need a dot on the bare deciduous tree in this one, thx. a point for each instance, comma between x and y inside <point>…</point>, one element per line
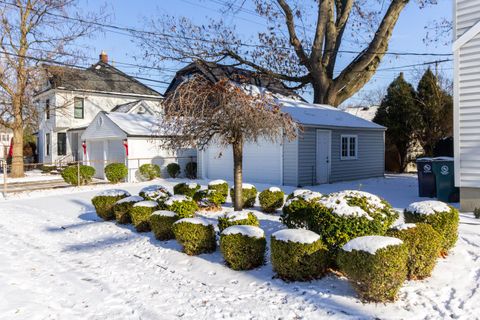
<point>200,112</point>
<point>31,32</point>
<point>301,45</point>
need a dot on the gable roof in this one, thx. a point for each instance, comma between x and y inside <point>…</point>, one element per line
<point>130,106</point>
<point>467,36</point>
<point>100,77</point>
<point>135,124</point>
<point>215,72</point>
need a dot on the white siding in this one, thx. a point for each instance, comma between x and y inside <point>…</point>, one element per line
<point>103,128</point>
<point>466,16</point>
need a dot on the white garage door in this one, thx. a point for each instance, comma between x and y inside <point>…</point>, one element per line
<point>95,156</point>
<point>261,163</point>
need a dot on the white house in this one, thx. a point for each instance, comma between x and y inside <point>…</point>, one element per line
<point>6,136</point>
<point>467,102</point>
<point>71,99</point>
<point>333,146</point>
<point>133,139</point>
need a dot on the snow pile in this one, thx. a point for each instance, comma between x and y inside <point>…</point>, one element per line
<point>113,193</point>
<point>155,191</point>
<point>237,215</point>
<point>304,194</point>
<point>274,189</point>
<point>247,186</point>
<point>428,207</point>
<point>373,201</point>
<point>164,213</point>
<point>192,185</point>
<point>130,199</point>
<point>339,206</point>
<point>404,226</point>
<point>216,182</point>
<point>196,220</point>
<point>249,231</point>
<point>147,204</point>
<point>296,235</point>
<point>371,244</point>
<point>176,198</point>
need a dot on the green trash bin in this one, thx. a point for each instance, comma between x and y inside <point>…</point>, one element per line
<point>443,167</point>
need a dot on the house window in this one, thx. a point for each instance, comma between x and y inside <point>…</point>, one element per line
<point>78,111</point>
<point>47,144</point>
<point>61,143</point>
<point>47,109</point>
<point>349,147</point>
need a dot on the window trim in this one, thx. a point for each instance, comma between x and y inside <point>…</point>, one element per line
<point>48,144</point>
<point>348,137</point>
<point>75,99</point>
<point>64,153</point>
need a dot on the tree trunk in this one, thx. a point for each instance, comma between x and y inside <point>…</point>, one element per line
<point>237,175</point>
<point>323,93</point>
<point>17,156</point>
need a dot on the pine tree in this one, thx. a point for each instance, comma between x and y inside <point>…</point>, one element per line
<point>436,112</point>
<point>399,113</point>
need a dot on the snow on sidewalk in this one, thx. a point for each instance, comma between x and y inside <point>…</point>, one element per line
<point>59,261</point>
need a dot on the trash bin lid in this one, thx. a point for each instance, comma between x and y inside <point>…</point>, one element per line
<point>424,159</point>
<point>443,159</point>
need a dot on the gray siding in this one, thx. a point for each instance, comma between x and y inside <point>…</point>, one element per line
<point>290,162</point>
<point>307,156</point>
<point>371,156</point>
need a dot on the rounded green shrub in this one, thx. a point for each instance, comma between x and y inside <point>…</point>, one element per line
<point>105,201</point>
<point>249,195</point>
<point>442,217</point>
<point>150,171</point>
<point>209,199</point>
<point>48,168</point>
<point>155,192</point>
<point>183,206</point>
<point>424,245</point>
<point>295,212</point>
<point>140,215</point>
<point>243,247</point>
<point>298,255</point>
<point>220,186</point>
<point>116,172</point>
<point>191,170</point>
<point>70,175</point>
<point>173,170</point>
<point>196,235</point>
<point>376,266</point>
<point>161,223</point>
<point>187,189</point>
<point>271,199</point>
<point>235,218</point>
<point>122,207</point>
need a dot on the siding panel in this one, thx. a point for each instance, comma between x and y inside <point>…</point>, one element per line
<point>290,162</point>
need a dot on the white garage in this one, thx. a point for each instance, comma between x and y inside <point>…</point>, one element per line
<point>261,162</point>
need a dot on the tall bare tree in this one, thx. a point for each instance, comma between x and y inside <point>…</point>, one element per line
<point>32,32</point>
<point>200,112</point>
<point>301,45</point>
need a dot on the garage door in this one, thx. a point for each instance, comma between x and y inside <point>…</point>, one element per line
<point>261,163</point>
<point>95,155</point>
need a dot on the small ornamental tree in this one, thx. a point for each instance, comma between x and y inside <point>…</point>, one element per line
<point>199,112</point>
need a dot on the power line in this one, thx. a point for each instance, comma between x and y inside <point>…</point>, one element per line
<point>136,32</point>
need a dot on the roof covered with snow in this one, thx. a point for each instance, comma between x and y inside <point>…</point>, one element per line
<point>135,124</point>
<point>367,113</point>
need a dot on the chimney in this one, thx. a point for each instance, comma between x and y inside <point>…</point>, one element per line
<point>103,57</point>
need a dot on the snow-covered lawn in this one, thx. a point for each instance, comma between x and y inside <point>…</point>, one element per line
<point>59,261</point>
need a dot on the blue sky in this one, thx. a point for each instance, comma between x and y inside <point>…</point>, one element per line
<point>407,37</point>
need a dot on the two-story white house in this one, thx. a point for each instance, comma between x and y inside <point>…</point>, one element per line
<point>72,98</point>
<point>6,136</point>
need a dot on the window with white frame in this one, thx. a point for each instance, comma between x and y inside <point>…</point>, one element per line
<point>349,147</point>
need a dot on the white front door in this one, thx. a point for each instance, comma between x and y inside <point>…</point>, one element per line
<point>323,155</point>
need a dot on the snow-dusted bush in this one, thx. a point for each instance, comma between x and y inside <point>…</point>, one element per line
<point>140,215</point>
<point>243,247</point>
<point>155,192</point>
<point>423,244</point>
<point>209,199</point>
<point>173,169</point>
<point>70,174</point>
<point>116,172</point>
<point>183,206</point>
<point>122,207</point>
<point>220,186</point>
<point>105,201</point>
<point>249,195</point>
<point>271,199</point>
<point>150,171</point>
<point>295,211</point>
<point>196,235</point>
<point>187,189</point>
<point>298,255</point>
<point>442,217</point>
<point>376,266</point>
<point>235,218</point>
<point>161,223</point>
<point>342,216</point>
